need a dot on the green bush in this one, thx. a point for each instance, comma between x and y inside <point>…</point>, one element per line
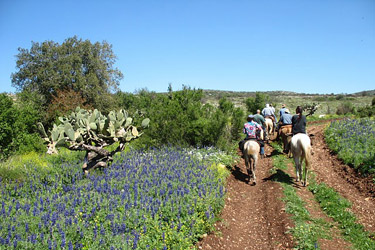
<point>18,132</point>
<point>257,102</point>
<point>345,108</point>
<point>368,110</point>
<point>180,118</point>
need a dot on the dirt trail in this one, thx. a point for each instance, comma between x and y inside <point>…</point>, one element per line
<point>254,217</point>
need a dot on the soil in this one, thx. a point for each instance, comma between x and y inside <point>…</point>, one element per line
<point>254,216</point>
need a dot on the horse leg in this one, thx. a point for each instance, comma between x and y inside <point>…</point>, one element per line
<point>247,164</point>
<point>305,172</point>
<point>296,162</point>
<point>300,169</point>
<point>255,158</point>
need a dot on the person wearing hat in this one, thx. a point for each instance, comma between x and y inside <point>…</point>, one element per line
<point>285,119</point>
<point>269,112</point>
<point>251,129</point>
<point>282,110</point>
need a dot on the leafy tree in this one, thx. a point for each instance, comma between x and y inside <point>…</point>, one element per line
<point>18,132</point>
<point>257,102</point>
<point>235,118</point>
<point>7,119</point>
<point>64,103</point>
<point>77,65</point>
<point>225,105</point>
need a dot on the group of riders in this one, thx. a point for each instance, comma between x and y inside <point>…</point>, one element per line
<point>256,124</point>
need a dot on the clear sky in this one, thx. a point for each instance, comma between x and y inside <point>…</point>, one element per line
<point>315,46</point>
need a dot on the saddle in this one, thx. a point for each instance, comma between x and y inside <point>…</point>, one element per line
<point>241,144</point>
<point>286,126</point>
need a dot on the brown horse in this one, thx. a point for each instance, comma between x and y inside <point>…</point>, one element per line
<point>285,132</point>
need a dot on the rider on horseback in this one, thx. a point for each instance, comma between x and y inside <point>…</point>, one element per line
<point>252,131</point>
<point>268,112</point>
<point>285,119</point>
<point>258,118</point>
<point>298,122</point>
<point>282,110</point>
<point>299,125</point>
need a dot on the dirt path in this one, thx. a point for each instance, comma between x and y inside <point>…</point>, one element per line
<point>254,217</point>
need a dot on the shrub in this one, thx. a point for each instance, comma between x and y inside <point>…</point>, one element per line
<point>180,118</point>
<point>345,109</point>
<point>368,110</point>
<point>18,132</point>
<point>257,102</point>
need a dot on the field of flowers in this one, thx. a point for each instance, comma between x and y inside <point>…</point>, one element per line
<point>354,142</point>
<point>162,199</point>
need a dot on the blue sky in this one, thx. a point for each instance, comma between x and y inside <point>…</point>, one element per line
<point>312,46</point>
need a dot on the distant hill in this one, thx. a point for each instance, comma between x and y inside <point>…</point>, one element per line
<point>224,93</point>
<point>328,103</point>
<point>365,93</point>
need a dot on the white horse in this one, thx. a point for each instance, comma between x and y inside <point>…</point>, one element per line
<point>301,149</point>
<point>269,127</point>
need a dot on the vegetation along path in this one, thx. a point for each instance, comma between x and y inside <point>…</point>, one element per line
<point>255,217</point>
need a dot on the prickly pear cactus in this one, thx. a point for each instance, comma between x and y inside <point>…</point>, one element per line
<point>310,109</point>
<point>92,131</point>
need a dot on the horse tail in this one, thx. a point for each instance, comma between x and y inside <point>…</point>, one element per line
<point>307,153</point>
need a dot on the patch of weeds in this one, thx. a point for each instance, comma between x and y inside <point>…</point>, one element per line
<point>337,207</point>
<point>278,163</point>
<point>277,146</point>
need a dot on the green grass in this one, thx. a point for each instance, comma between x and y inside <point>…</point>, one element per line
<point>19,166</point>
<point>336,207</point>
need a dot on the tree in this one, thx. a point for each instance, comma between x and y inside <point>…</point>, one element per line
<point>258,102</point>
<point>64,103</point>
<point>7,118</point>
<point>75,65</point>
